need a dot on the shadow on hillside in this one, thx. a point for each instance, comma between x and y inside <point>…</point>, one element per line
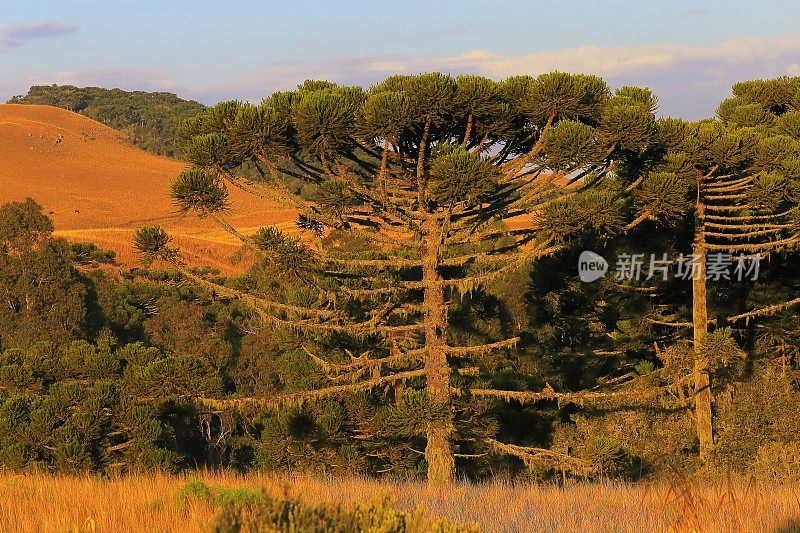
<point>792,526</point>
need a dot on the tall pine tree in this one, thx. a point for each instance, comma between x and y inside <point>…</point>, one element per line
<point>729,188</point>
<point>444,180</point>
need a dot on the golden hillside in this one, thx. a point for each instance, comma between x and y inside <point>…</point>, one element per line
<point>98,188</point>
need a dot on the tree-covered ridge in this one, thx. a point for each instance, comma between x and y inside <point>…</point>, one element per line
<point>149,119</point>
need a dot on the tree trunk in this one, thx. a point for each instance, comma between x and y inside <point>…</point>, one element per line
<point>422,178</point>
<point>438,452</point>
<point>382,173</point>
<point>468,131</point>
<point>702,381</point>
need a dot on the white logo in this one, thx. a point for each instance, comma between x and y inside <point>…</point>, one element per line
<point>591,266</point>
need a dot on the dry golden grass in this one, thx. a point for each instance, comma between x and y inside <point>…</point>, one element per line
<point>97,187</point>
<point>150,503</point>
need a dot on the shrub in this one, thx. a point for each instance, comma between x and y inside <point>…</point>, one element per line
<point>87,253</point>
<point>776,461</point>
<point>216,496</point>
<point>274,514</point>
<point>757,417</point>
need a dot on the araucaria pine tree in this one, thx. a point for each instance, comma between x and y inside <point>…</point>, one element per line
<point>441,179</point>
<point>729,185</point>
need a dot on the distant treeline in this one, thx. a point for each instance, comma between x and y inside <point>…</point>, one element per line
<point>149,119</point>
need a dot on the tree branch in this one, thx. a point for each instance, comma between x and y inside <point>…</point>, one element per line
<point>628,397</point>
<point>462,351</point>
<point>300,398</point>
<point>541,456</point>
<point>764,311</point>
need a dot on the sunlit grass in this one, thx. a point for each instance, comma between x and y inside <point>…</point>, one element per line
<point>154,503</point>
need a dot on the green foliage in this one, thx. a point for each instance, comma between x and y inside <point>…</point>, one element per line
<point>775,95</point>
<point>385,115</point>
<point>602,211</point>
<point>478,95</point>
<point>665,196</point>
<point>260,130</point>
<point>152,243</point>
<point>789,124</point>
<point>285,251</point>
<point>559,95</point>
<point>599,212</point>
<point>87,253</point>
<point>557,220</point>
<point>194,490</point>
<point>606,454</point>
<point>44,296</point>
<point>430,95</point>
<point>458,176</point>
<point>335,197</point>
<point>325,118</point>
<point>83,407</point>
<point>210,150</point>
<point>410,415</point>
<point>22,225</point>
<point>274,514</point>
<point>757,418</point>
<point>628,124</point>
<point>638,96</point>
<point>631,444</point>
<point>199,191</point>
<point>708,144</point>
<point>572,145</point>
<point>742,114</point>
<point>777,462</point>
<point>217,496</point>
<point>770,192</point>
<point>671,132</point>
<point>772,153</point>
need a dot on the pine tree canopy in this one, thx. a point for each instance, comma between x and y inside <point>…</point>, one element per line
<point>427,169</point>
<point>444,187</point>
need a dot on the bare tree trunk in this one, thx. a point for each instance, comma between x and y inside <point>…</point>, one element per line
<point>439,452</point>
<point>702,381</point>
<point>382,173</point>
<point>468,131</point>
<point>422,178</point>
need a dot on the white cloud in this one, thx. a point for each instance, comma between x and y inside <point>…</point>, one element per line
<point>690,80</point>
<point>620,60</point>
<point>21,34</point>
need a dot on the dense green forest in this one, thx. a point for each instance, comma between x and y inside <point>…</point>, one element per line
<point>412,327</point>
<point>149,119</point>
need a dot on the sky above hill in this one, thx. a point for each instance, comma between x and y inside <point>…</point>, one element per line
<point>688,52</point>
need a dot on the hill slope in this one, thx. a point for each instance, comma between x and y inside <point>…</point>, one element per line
<point>96,187</point>
<point>149,120</point>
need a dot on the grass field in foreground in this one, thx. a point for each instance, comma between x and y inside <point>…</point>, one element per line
<point>153,503</point>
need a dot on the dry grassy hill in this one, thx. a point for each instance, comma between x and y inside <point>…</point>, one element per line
<point>98,188</point>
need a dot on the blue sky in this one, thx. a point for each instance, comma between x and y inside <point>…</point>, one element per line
<point>688,52</point>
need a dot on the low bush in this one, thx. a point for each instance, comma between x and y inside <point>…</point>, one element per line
<point>290,515</point>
